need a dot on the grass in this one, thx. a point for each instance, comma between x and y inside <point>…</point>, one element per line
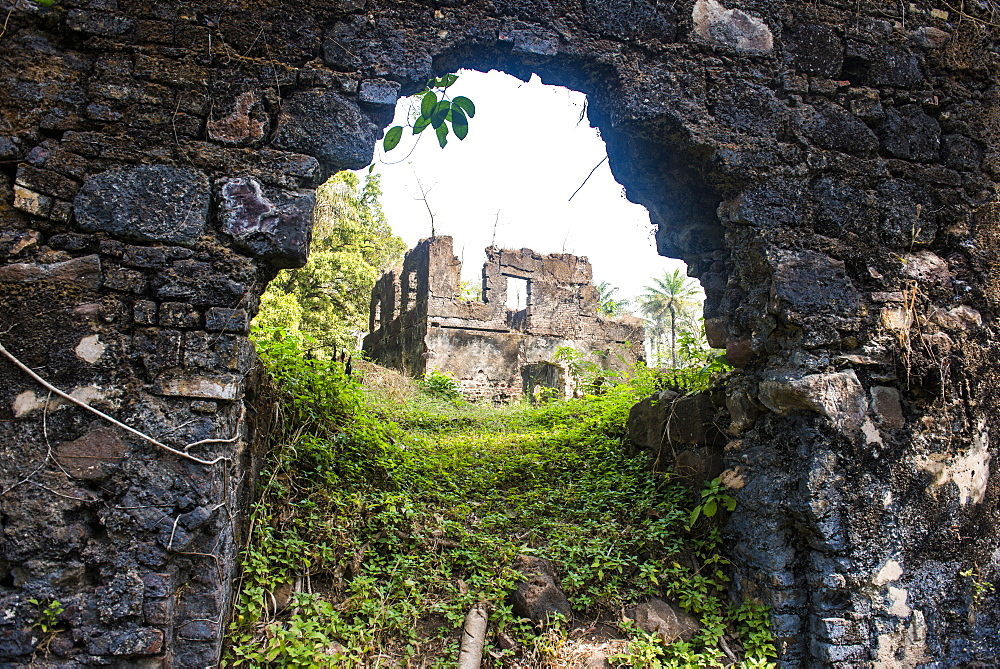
<point>389,510</point>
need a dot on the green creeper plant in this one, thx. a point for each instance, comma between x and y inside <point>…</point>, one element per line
<point>436,111</point>
<point>713,497</point>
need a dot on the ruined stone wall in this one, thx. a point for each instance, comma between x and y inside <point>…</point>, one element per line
<point>827,169</point>
<point>485,345</point>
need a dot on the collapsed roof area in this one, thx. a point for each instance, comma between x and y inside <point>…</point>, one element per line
<point>419,321</point>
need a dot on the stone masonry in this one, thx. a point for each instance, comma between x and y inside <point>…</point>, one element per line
<point>419,323</point>
<point>827,169</point>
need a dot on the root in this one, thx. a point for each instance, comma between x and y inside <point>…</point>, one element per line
<point>473,638</point>
<point>69,398</point>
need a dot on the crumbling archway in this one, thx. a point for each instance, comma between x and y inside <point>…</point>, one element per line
<point>827,173</point>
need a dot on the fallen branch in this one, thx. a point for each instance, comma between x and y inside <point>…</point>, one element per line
<point>473,638</point>
<point>69,398</point>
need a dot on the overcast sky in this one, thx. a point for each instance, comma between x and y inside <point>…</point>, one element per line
<point>526,152</point>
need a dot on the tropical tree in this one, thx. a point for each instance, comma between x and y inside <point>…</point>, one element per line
<point>352,246</point>
<point>607,305</point>
<point>670,301</point>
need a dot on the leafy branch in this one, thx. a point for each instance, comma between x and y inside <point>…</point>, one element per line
<point>437,111</point>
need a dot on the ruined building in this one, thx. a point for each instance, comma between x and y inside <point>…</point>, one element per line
<point>828,170</point>
<point>419,323</point>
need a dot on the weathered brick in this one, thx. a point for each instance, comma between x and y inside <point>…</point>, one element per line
<point>218,319</point>
<point>179,315</point>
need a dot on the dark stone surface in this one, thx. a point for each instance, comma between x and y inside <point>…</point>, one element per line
<point>848,270</point>
<point>325,124</point>
<point>275,227</point>
<point>814,49</point>
<point>665,620</point>
<point>146,204</point>
<point>910,134</point>
<point>538,597</point>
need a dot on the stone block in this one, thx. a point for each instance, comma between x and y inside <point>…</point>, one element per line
<point>886,406</point>
<point>199,630</point>
<point>830,126</point>
<point>731,28</point>
<point>158,611</point>
<point>243,126</point>
<point>827,653</point>
<point>147,204</point>
<point>808,285</point>
<point>324,124</point>
<point>145,257</point>
<point>842,631</point>
<point>31,202</point>
<point>92,456</point>
<point>158,585</point>
<point>104,24</point>
<point>45,181</point>
<point>121,598</point>
<point>895,66</point>
<point>16,642</point>
<point>379,92</point>
<point>910,134</point>
<point>197,283</point>
<point>667,621</point>
<point>275,227</point>
<point>836,395</point>
<point>691,421</point>
<point>125,280</point>
<point>158,349</point>
<point>179,315</point>
<point>136,641</point>
<point>814,49</point>
<point>144,312</point>
<point>83,272</point>
<point>218,319</point>
<point>961,153</point>
<point>538,597</point>
<point>224,387</point>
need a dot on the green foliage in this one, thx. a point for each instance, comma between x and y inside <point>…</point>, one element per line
<point>713,498</point>
<point>607,304</point>
<point>981,588</point>
<point>352,246</point>
<point>392,518</point>
<point>436,111</point>
<point>441,385</point>
<point>471,291</point>
<point>47,620</point>
<point>671,305</point>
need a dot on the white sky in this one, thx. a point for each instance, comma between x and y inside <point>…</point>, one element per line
<point>525,155</point>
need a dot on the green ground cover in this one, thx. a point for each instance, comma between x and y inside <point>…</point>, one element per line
<point>390,508</point>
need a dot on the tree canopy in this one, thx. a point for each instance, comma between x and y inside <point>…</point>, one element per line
<point>352,246</point>
<point>671,305</point>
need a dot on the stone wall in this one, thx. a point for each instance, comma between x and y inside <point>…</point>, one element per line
<point>827,169</point>
<point>419,322</point>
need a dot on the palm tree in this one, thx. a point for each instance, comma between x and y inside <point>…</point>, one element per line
<point>607,305</point>
<point>673,295</point>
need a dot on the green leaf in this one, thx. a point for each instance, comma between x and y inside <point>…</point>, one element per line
<point>420,124</point>
<point>729,501</point>
<point>711,506</point>
<point>428,104</point>
<point>442,134</point>
<point>465,104</point>
<point>392,138</point>
<point>440,114</point>
<point>447,80</point>
<point>459,123</point>
<point>694,515</point>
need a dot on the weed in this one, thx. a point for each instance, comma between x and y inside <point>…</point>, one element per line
<point>391,518</point>
<point>47,620</point>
